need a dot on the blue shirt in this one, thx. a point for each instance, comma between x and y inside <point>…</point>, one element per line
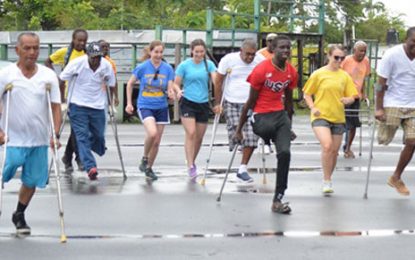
<point>153,89</point>
<point>195,79</point>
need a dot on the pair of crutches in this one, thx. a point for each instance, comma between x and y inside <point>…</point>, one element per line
<point>8,90</point>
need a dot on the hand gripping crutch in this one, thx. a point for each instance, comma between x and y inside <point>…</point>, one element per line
<point>215,127</point>
<point>65,115</point>
<point>369,164</point>
<point>114,127</point>
<point>8,90</point>
<point>227,172</point>
<point>55,155</point>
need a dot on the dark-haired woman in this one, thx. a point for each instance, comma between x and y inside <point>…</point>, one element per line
<point>194,73</point>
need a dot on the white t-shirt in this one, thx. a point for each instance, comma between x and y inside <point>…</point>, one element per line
<point>399,71</point>
<point>237,88</point>
<point>88,90</point>
<point>29,123</point>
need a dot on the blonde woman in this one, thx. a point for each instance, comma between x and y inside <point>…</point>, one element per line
<point>326,92</point>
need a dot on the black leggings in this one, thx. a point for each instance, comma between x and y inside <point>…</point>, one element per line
<point>276,126</point>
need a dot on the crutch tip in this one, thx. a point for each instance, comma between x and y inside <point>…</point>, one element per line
<point>203,182</point>
<point>218,199</point>
<point>63,238</point>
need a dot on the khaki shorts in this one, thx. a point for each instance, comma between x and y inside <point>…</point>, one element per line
<point>396,117</point>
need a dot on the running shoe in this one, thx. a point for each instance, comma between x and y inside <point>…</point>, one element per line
<point>244,177</point>
<point>19,221</point>
<point>143,164</point>
<point>193,172</point>
<point>92,174</point>
<point>150,174</point>
<point>327,187</point>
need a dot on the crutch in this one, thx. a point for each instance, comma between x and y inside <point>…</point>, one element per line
<point>264,175</point>
<point>65,115</point>
<point>114,127</point>
<point>8,90</point>
<point>215,127</point>
<point>55,155</point>
<point>361,128</point>
<point>227,172</point>
<point>369,164</point>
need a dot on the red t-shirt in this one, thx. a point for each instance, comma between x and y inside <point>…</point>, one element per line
<point>271,83</point>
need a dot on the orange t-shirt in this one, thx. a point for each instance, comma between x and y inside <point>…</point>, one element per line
<point>357,70</point>
<point>264,52</point>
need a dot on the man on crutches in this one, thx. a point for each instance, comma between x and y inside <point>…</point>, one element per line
<point>237,66</point>
<point>395,103</point>
<point>27,118</point>
<point>269,81</point>
<point>87,103</point>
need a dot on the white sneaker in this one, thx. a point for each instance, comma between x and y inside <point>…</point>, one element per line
<point>327,187</point>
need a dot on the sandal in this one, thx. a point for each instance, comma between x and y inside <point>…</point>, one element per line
<point>349,155</point>
<point>279,207</point>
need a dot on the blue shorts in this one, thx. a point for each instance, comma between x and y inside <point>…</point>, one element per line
<point>160,115</point>
<point>34,162</point>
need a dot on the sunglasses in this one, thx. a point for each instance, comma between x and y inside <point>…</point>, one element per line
<point>156,75</point>
<point>339,58</point>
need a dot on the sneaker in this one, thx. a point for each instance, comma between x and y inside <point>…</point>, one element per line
<point>92,174</point>
<point>244,177</point>
<point>68,164</point>
<point>21,227</point>
<point>399,185</point>
<point>193,172</point>
<point>143,164</point>
<point>150,174</point>
<point>80,165</point>
<point>327,187</point>
<point>279,207</point>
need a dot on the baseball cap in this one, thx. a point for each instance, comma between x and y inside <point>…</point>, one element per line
<point>94,49</point>
<point>271,36</point>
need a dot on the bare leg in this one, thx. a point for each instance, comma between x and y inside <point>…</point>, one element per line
<point>405,158</point>
<point>352,133</point>
<point>151,134</point>
<point>246,154</point>
<point>155,148</point>
<point>26,194</point>
<point>189,125</point>
<point>200,133</point>
<point>328,152</point>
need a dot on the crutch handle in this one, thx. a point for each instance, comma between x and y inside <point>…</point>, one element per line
<point>8,87</point>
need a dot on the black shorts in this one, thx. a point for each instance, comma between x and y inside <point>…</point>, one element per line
<point>352,116</point>
<point>198,111</point>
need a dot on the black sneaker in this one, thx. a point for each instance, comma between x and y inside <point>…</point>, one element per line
<point>143,164</point>
<point>21,227</point>
<point>150,174</point>
<point>68,164</point>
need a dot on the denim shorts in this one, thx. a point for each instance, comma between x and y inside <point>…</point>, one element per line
<point>336,129</point>
<point>34,163</point>
<point>160,115</point>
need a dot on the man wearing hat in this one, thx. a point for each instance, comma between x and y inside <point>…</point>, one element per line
<point>87,99</point>
<point>267,52</point>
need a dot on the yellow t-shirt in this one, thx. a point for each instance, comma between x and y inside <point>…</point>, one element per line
<point>58,57</point>
<point>328,87</point>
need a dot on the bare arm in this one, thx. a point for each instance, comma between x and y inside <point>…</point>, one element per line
<point>288,93</point>
<point>310,103</point>
<point>130,84</point>
<point>218,92</point>
<point>380,89</point>
<point>176,86</point>
<point>49,63</point>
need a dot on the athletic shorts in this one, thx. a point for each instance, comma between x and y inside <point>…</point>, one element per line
<point>198,111</point>
<point>161,116</point>
<point>352,115</point>
<point>34,163</point>
<point>335,129</point>
<point>396,117</point>
<point>233,112</point>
